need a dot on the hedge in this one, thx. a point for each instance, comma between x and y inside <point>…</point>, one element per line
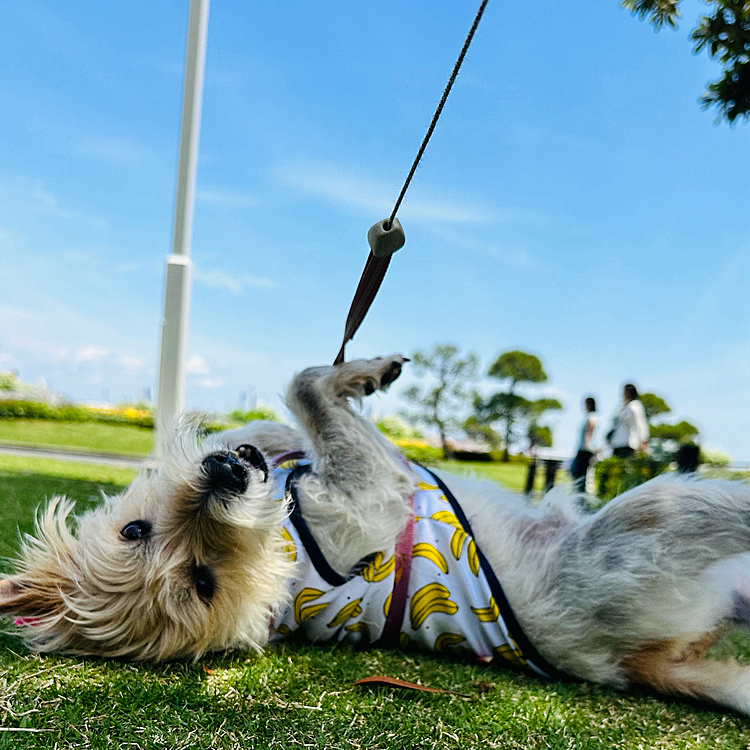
<point>18,409</point>
<point>616,475</point>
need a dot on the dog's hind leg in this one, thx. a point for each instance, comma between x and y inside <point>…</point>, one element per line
<point>677,667</point>
<point>355,499</point>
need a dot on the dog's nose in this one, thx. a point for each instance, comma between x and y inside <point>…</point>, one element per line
<point>225,472</point>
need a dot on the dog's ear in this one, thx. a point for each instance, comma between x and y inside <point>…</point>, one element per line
<point>17,598</point>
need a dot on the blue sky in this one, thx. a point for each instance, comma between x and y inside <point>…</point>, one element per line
<point>575,200</point>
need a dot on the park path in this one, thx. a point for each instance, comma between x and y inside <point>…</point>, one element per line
<point>106,459</point>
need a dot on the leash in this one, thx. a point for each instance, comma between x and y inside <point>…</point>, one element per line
<point>387,236</point>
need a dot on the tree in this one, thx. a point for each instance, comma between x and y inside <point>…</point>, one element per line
<point>509,408</point>
<point>682,432</point>
<point>484,433</point>
<point>654,405</point>
<point>725,34</point>
<point>438,404</point>
<point>539,434</point>
<point>519,367</point>
<point>665,436</point>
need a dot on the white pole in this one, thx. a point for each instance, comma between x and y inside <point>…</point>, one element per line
<point>171,393</point>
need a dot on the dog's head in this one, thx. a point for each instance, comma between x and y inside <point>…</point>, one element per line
<point>189,558</point>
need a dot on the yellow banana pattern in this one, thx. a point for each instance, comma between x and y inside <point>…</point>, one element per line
<point>303,613</point>
<point>378,570</point>
<point>346,613</point>
<point>433,597</point>
<point>472,557</point>
<point>451,606</point>
<point>487,614</point>
<point>457,542</point>
<point>447,641</point>
<point>459,535</point>
<point>445,516</point>
<point>290,548</point>
<point>360,627</point>
<point>510,654</point>
<point>432,553</point>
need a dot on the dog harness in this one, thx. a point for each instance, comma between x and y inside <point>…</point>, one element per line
<point>452,601</point>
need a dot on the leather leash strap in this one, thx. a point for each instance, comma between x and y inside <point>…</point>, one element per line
<point>367,288</point>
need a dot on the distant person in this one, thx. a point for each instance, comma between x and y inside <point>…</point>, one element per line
<point>585,451</point>
<point>630,433</point>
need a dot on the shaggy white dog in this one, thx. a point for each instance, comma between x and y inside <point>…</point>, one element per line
<point>203,554</point>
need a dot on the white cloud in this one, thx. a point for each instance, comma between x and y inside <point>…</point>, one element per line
<point>22,194</point>
<point>7,360</point>
<point>10,315</point>
<point>197,366</point>
<point>234,283</point>
<point>376,198</point>
<point>91,353</point>
<point>122,149</point>
<point>211,383</point>
<point>226,199</point>
<point>33,195</point>
<point>131,363</point>
<point>552,391</point>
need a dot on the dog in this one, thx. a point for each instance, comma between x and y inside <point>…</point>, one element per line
<point>236,541</point>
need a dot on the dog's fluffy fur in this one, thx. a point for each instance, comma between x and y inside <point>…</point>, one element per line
<point>633,595</point>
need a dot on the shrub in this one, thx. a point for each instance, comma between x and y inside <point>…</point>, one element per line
<point>137,415</point>
<point>8,381</point>
<point>395,428</point>
<point>715,459</point>
<point>19,409</point>
<point>419,451</point>
<point>260,412</point>
<point>132,415</point>
<point>616,475</point>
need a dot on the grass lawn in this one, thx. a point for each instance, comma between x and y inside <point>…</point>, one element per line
<point>82,436</point>
<point>298,696</point>
<point>510,475</point>
<point>137,441</point>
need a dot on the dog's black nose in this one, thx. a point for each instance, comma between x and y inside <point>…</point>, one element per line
<point>225,472</point>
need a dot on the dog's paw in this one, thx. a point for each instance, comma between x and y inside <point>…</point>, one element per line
<point>365,376</point>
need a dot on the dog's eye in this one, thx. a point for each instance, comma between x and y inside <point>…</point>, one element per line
<point>135,530</point>
<point>205,586</point>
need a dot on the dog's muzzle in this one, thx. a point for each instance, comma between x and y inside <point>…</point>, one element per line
<point>228,472</point>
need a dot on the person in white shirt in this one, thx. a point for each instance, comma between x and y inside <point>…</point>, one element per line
<point>631,432</point>
<point>585,450</point>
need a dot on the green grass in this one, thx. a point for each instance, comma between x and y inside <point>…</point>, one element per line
<point>82,436</point>
<point>297,696</point>
<point>25,483</point>
<point>512,476</point>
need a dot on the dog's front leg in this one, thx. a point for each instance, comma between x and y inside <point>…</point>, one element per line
<point>355,500</point>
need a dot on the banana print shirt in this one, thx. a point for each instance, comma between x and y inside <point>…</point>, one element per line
<point>454,602</point>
